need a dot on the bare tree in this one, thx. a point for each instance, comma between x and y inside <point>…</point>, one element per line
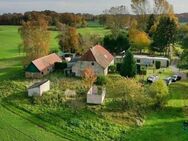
<point>117,17</point>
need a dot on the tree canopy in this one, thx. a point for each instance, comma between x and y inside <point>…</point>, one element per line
<point>128,68</point>
<point>116,44</point>
<point>165,34</point>
<point>35,38</point>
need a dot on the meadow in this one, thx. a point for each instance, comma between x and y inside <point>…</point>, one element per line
<point>27,119</point>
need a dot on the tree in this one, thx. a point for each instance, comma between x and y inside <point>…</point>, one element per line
<point>165,34</point>
<point>128,68</point>
<point>116,17</point>
<point>87,41</point>
<point>68,38</point>
<point>140,8</point>
<point>89,77</point>
<point>162,7</point>
<point>35,38</point>
<point>159,93</point>
<point>139,40</point>
<point>116,44</point>
<point>149,25</point>
<point>129,92</point>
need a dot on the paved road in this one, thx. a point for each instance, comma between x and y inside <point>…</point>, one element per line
<point>176,70</point>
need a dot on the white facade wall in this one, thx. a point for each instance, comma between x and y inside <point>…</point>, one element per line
<point>38,91</point>
<point>44,87</point>
<point>93,97</point>
<point>150,61</point>
<point>80,66</point>
<point>34,92</point>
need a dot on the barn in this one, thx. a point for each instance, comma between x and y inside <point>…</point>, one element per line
<point>42,66</point>
<point>97,58</point>
<point>39,88</point>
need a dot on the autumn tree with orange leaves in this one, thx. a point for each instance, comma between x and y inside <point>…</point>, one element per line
<point>69,39</point>
<point>89,77</point>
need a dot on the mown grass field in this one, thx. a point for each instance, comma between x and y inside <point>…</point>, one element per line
<point>10,57</point>
<point>22,120</point>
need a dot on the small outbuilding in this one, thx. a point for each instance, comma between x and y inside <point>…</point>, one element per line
<point>42,66</point>
<point>96,95</point>
<point>39,88</point>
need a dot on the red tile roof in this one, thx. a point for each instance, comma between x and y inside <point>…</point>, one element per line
<point>46,61</point>
<point>98,54</point>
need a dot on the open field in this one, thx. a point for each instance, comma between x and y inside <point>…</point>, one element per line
<point>21,119</point>
<point>10,58</point>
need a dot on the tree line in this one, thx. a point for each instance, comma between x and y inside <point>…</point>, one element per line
<point>71,19</point>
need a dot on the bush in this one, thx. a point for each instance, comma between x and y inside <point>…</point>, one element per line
<point>118,67</point>
<point>159,93</point>
<point>101,80</point>
<point>54,50</point>
<point>143,72</point>
<point>157,64</point>
<point>112,69</point>
<point>128,92</point>
<point>60,66</point>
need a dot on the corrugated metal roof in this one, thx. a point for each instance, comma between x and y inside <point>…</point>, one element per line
<point>148,57</point>
<point>98,54</point>
<point>46,61</point>
<point>38,84</point>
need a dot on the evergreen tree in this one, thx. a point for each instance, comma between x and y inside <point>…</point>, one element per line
<point>165,34</point>
<point>128,68</point>
<point>116,44</point>
<point>150,23</point>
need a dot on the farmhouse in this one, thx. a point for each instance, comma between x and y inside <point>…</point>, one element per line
<point>96,58</point>
<point>42,66</point>
<point>96,95</point>
<point>39,88</point>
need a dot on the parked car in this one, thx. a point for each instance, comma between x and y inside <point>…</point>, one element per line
<point>152,79</point>
<point>168,80</point>
<point>176,78</point>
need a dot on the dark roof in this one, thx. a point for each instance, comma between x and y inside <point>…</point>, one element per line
<point>98,54</point>
<point>38,84</point>
<point>46,61</point>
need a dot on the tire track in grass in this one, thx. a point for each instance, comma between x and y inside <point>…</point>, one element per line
<point>44,125</point>
<point>17,130</point>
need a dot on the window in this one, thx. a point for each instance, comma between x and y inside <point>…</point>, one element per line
<point>92,63</point>
<point>138,60</point>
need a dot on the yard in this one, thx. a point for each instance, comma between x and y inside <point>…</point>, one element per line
<point>26,119</point>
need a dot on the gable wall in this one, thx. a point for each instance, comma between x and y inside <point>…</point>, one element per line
<point>80,66</point>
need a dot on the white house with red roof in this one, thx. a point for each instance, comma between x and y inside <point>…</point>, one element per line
<point>97,58</point>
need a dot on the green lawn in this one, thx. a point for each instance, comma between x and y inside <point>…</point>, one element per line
<point>166,125</point>
<point>14,127</point>
<point>94,30</point>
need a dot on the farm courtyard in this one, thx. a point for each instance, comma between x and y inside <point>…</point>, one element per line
<point>55,117</point>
